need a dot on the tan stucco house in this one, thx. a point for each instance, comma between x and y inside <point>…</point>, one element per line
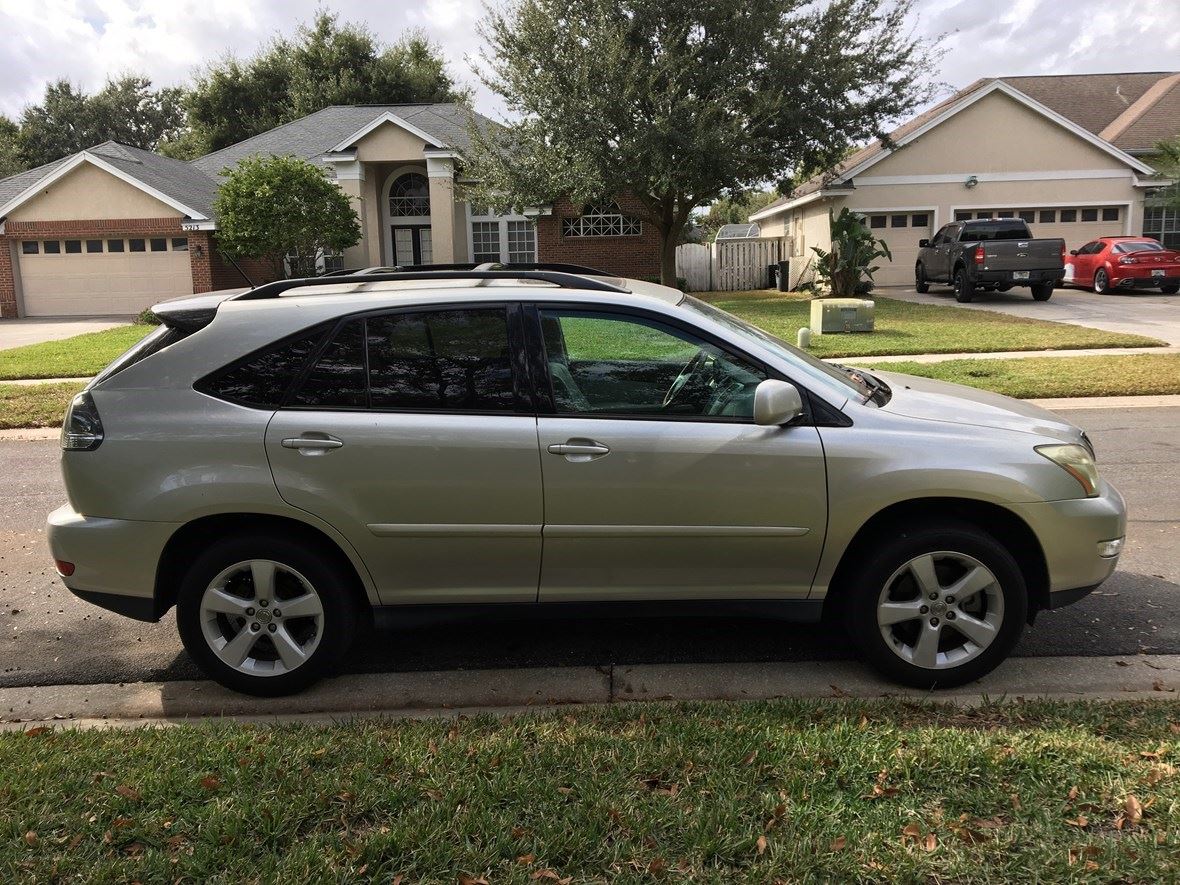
<point>1069,154</point>
<point>113,229</point>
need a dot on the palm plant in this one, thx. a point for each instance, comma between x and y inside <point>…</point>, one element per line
<point>847,268</point>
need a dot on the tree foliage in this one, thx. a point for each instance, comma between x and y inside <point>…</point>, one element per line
<point>273,207</point>
<point>1167,163</point>
<point>325,63</point>
<point>127,110</point>
<point>10,161</point>
<point>679,101</point>
<point>734,208</point>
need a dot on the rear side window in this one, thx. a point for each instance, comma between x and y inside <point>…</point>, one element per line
<point>263,378</point>
<point>338,376</point>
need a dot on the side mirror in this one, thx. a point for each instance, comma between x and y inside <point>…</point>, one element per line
<point>923,243</point>
<point>776,403</point>
<point>1073,251</point>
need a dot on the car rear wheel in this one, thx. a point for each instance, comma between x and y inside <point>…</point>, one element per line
<point>1101,282</point>
<point>265,615</point>
<point>1170,290</point>
<point>920,283</point>
<point>1042,291</point>
<point>964,291</point>
<point>938,607</point>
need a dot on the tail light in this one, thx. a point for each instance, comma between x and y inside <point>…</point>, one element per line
<point>980,255</point>
<point>82,429</point>
<point>1063,252</point>
<point>1127,259</point>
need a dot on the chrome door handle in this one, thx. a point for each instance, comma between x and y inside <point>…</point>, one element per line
<point>312,445</point>
<point>579,450</point>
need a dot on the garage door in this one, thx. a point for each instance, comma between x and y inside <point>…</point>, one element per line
<point>109,276</point>
<point>900,229</point>
<point>1077,225</point>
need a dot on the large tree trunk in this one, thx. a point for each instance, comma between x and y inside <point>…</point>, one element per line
<point>668,243</point>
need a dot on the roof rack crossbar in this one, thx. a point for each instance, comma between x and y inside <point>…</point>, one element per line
<point>556,278</point>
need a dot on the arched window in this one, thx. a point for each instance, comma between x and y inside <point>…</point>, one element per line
<point>409,196</point>
<point>601,220</point>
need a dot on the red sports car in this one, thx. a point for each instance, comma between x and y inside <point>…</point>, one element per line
<point>1110,263</point>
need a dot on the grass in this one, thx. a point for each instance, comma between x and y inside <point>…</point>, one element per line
<point>1036,377</point>
<point>77,357</point>
<point>903,327</point>
<point>35,405</point>
<point>758,792</point>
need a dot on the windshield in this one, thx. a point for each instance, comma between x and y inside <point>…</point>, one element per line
<point>777,346</point>
<point>1141,246</point>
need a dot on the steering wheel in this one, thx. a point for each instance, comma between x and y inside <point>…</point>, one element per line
<point>690,368</point>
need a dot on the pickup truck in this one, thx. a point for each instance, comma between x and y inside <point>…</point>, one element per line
<point>991,254</point>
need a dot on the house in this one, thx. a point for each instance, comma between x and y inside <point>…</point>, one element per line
<point>114,229</point>
<point>1071,155</point>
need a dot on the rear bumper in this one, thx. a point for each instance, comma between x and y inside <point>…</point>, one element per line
<point>1007,278</point>
<point>1145,282</point>
<point>114,559</point>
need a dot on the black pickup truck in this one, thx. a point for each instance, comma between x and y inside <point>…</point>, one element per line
<point>992,254</point>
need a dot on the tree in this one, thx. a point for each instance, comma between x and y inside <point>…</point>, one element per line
<point>67,120</point>
<point>733,208</point>
<point>678,101</point>
<point>847,269</point>
<point>284,210</point>
<point>1167,164</point>
<point>325,63</point>
<point>10,161</point>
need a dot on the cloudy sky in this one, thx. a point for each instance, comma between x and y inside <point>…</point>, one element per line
<point>89,40</point>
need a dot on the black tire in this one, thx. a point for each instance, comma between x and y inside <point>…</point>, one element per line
<point>1170,290</point>
<point>964,290</point>
<point>1101,282</point>
<point>921,286</point>
<point>864,587</point>
<point>1042,291</point>
<point>331,580</point>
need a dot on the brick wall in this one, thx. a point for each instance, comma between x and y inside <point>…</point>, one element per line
<point>635,256</point>
<point>212,272</point>
<point>7,281</point>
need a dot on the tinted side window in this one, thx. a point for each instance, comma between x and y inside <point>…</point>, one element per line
<point>338,376</point>
<point>263,378</point>
<point>452,359</point>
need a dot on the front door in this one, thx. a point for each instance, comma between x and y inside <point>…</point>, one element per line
<point>411,437</point>
<point>657,483</point>
<point>412,245</point>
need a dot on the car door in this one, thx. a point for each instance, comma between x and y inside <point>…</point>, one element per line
<point>1083,264</point>
<point>657,483</point>
<point>942,252</point>
<point>412,433</point>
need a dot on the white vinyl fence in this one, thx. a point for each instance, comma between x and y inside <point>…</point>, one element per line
<point>728,266</point>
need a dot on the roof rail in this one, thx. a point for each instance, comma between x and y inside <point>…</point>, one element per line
<point>556,278</point>
<point>488,265</point>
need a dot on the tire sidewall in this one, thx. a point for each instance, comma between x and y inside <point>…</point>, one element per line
<point>865,586</point>
<point>330,581</point>
<point>920,283</point>
<point>963,291</point>
<point>1102,289</point>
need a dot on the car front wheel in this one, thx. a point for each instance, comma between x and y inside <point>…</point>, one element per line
<point>938,607</point>
<point>921,286</point>
<point>265,615</point>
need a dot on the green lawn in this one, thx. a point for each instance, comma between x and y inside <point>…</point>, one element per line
<point>833,791</point>
<point>77,357</point>
<point>1038,377</point>
<point>35,405</point>
<point>902,327</point>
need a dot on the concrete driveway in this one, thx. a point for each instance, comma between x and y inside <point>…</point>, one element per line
<point>1139,313</point>
<point>34,330</point>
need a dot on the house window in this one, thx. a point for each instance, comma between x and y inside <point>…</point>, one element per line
<point>1048,216</point>
<point>984,215</point>
<point>1163,224</point>
<point>522,242</point>
<point>1089,215</point>
<point>1007,213</point>
<point>52,247</point>
<point>180,244</point>
<point>960,215</point>
<point>136,245</point>
<point>409,196</point>
<point>114,245</point>
<point>920,220</point>
<point>876,221</point>
<point>93,246</point>
<point>1028,216</point>
<point>1069,215</point>
<point>73,247</point>
<point>485,241</point>
<point>159,244</point>
<point>601,220</point>
<point>898,220</point>
<point>1111,214</point>
<point>30,247</point>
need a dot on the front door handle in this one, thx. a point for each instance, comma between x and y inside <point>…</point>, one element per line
<point>579,450</point>
<point>312,445</point>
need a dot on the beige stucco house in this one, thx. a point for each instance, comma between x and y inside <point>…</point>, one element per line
<point>1068,154</point>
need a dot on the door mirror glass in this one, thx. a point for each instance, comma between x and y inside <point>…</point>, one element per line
<point>1073,251</point>
<point>776,403</point>
<point>923,243</point>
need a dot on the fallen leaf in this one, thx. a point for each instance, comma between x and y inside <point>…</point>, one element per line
<point>1158,685</point>
<point>931,842</point>
<point>525,859</point>
<point>911,831</point>
<point>467,879</point>
<point>760,845</point>
<point>31,839</point>
<point>120,822</point>
<point>988,823</point>
<point>40,729</point>
<point>1133,809</point>
<point>1091,866</point>
<point>1073,793</point>
<point>135,848</point>
<point>1081,822</point>
<point>549,874</point>
<point>838,843</point>
<point>657,866</point>
<point>750,757</point>
<point>1015,801</point>
<point>1123,663</point>
<point>128,792</point>
<point>519,832</point>
<point>210,783</point>
<point>75,842</point>
<point>1174,727</point>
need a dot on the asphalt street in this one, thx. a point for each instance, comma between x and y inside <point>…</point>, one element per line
<point>49,637</point>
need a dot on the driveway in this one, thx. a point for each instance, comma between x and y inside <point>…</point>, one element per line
<point>34,330</point>
<point>47,636</point>
<point>1139,313</point>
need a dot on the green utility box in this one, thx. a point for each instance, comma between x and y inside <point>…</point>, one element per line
<point>841,315</point>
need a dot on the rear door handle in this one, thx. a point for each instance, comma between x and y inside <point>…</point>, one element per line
<point>579,450</point>
<point>312,445</point>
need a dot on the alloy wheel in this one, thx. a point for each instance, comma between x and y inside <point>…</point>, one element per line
<point>262,618</point>
<point>940,610</point>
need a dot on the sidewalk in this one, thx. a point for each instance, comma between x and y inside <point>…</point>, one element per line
<point>1002,355</point>
<point>1129,677</point>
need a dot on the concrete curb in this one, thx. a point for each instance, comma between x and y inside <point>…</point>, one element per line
<point>31,434</point>
<point>999,355</point>
<point>445,693</point>
<point>1169,400</point>
<point>29,382</point>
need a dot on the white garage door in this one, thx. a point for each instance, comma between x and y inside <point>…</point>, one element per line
<point>900,229</point>
<point>96,277</point>
<point>1077,225</point>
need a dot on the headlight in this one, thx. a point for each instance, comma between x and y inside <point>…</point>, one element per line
<point>1075,460</point>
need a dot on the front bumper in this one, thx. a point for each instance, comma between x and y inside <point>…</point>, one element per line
<point>1070,532</point>
<point>114,559</point>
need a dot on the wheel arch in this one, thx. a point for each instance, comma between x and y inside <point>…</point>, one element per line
<point>1002,524</point>
<point>187,542</point>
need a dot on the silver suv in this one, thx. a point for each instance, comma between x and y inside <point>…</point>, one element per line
<point>278,463</point>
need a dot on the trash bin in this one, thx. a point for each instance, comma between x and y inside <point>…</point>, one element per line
<point>783,276</point>
<point>771,276</point>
